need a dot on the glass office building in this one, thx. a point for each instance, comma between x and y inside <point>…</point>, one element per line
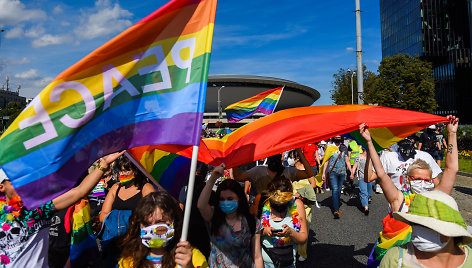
<point>438,31</point>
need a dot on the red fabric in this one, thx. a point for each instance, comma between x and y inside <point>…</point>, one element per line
<point>309,151</point>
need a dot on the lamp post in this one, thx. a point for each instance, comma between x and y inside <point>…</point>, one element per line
<point>352,85</point>
<point>220,112</point>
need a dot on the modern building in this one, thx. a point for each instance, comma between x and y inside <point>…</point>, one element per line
<point>10,96</point>
<point>224,90</point>
<point>438,31</point>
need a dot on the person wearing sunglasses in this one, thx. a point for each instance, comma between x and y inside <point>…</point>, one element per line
<point>418,180</point>
<point>153,236</point>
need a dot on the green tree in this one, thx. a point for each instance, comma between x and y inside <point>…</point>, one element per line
<point>12,110</point>
<point>342,91</point>
<point>404,82</point>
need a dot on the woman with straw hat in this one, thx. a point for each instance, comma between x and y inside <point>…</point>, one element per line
<point>439,234</point>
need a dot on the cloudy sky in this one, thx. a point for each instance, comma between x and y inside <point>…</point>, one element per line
<point>304,41</point>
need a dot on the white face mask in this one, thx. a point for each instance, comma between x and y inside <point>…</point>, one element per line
<point>425,239</point>
<point>291,161</point>
<point>421,186</point>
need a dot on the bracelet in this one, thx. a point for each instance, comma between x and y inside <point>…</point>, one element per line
<point>103,169</point>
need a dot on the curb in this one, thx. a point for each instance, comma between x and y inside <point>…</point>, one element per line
<point>465,174</point>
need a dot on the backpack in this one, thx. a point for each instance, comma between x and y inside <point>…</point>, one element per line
<point>429,143</point>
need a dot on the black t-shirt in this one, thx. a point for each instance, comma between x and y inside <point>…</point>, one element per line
<point>58,238</point>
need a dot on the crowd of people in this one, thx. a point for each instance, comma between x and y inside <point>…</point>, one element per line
<point>252,216</point>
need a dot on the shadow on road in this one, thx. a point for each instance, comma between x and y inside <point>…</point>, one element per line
<point>321,255</point>
<point>464,190</point>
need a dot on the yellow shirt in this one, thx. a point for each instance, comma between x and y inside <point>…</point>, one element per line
<point>198,260</point>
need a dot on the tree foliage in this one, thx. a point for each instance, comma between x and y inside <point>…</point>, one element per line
<point>404,82</point>
<point>342,91</point>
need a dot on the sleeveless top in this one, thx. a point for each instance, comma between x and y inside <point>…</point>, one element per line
<point>128,204</point>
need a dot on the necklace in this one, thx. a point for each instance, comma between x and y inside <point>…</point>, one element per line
<point>292,210</point>
<point>11,210</point>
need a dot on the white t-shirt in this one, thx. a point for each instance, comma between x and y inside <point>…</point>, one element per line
<point>396,168</point>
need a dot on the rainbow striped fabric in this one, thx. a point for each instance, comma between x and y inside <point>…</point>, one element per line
<point>168,169</point>
<point>394,233</point>
<point>292,128</point>
<point>264,102</point>
<point>145,86</point>
<point>83,246</point>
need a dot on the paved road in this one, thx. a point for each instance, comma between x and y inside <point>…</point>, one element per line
<point>347,242</point>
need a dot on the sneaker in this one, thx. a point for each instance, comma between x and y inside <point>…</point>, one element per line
<point>300,258</point>
<point>378,189</point>
<point>366,211</point>
<point>370,199</point>
<point>336,215</point>
<point>327,189</point>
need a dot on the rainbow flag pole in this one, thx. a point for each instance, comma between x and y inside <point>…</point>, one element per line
<point>280,96</point>
<point>144,171</point>
<point>188,202</point>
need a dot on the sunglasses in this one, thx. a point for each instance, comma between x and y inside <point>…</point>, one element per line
<point>415,178</point>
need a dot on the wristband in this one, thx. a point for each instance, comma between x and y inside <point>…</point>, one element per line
<point>103,169</point>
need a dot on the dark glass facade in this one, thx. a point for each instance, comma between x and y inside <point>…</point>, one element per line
<point>438,31</point>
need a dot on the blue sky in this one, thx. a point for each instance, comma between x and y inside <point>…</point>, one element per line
<point>304,41</point>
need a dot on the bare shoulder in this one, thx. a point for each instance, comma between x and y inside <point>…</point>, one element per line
<point>148,188</point>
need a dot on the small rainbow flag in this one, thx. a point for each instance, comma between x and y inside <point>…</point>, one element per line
<point>83,246</point>
<point>168,169</point>
<point>145,86</point>
<point>264,102</point>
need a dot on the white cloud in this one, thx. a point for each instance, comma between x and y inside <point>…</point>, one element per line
<point>31,74</point>
<point>103,20</point>
<point>350,49</point>
<point>57,10</point>
<point>35,31</point>
<point>43,82</point>
<point>16,32</point>
<point>48,39</point>
<point>13,12</point>
<point>20,61</point>
<point>65,23</point>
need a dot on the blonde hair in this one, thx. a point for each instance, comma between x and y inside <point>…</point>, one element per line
<point>419,164</point>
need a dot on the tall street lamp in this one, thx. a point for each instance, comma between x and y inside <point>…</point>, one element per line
<point>352,85</point>
<point>220,112</point>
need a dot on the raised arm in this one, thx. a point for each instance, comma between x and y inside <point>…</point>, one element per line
<point>238,176</point>
<point>75,194</point>
<point>308,172</point>
<point>452,162</point>
<point>392,194</point>
<point>203,201</point>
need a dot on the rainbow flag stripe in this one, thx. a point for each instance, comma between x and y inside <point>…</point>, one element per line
<point>394,233</point>
<point>83,245</point>
<point>145,86</point>
<point>264,102</point>
<point>170,170</point>
<point>292,128</point>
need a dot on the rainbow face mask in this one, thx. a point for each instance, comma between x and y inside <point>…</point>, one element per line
<point>126,179</point>
<point>157,235</point>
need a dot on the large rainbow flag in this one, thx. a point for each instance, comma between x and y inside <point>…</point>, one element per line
<point>264,102</point>
<point>83,245</point>
<point>145,86</point>
<point>170,170</point>
<point>292,128</point>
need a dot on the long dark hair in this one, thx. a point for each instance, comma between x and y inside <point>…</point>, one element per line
<point>274,163</point>
<point>131,245</point>
<point>243,207</point>
<point>139,178</point>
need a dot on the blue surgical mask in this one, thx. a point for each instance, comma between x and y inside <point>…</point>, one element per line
<point>228,206</point>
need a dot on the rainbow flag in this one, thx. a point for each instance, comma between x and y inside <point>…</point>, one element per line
<point>292,128</point>
<point>394,233</point>
<point>83,246</point>
<point>145,86</point>
<point>170,170</point>
<point>264,102</point>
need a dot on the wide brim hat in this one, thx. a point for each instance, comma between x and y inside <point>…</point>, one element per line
<point>437,211</point>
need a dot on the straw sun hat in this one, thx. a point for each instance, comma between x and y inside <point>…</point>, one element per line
<point>437,211</point>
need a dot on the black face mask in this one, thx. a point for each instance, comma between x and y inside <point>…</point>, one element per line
<point>279,208</point>
<point>406,148</point>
